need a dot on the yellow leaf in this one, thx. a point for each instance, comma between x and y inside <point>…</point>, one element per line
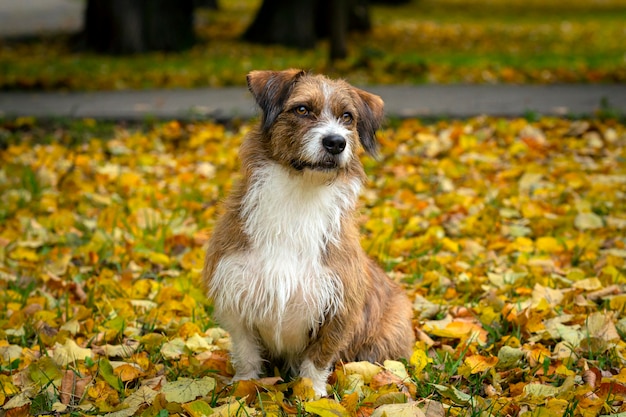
<point>600,325</point>
<point>8,388</point>
<point>21,253</point>
<point>538,391</point>
<point>531,210</point>
<point>127,372</point>
<point>419,359</point>
<point>479,363</point>
<point>303,389</point>
<point>197,343</point>
<point>366,369</point>
<point>326,407</point>
<point>618,303</point>
<point>235,408</point>
<point>398,410</point>
<point>397,368</point>
<point>129,180</point>
<point>522,244</point>
<point>460,330</point>
<point>143,395</point>
<point>562,370</point>
<point>188,329</point>
<point>173,349</point>
<point>450,245</point>
<point>557,406</point>
<point>588,284</point>
<point>544,296</point>
<point>198,408</point>
<point>612,275</point>
<point>548,244</point>
<point>148,218</point>
<point>70,352</point>
<point>538,353</point>
<point>194,259</point>
<point>158,258</point>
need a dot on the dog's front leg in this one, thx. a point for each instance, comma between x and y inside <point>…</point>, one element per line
<point>322,353</point>
<point>245,352</point>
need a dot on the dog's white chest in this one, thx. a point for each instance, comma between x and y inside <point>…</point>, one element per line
<point>280,286</point>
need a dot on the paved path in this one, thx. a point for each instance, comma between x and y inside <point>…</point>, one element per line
<point>30,17</point>
<point>400,101</point>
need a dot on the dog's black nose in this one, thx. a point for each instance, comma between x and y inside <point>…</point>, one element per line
<point>334,144</point>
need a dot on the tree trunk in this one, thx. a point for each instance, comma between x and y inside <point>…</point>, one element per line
<point>284,22</point>
<point>301,23</point>
<point>338,29</point>
<point>135,26</point>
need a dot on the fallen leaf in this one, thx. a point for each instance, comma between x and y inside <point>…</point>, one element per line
<point>457,396</point>
<point>366,369</point>
<point>198,408</point>
<point>326,407</point>
<point>479,364</point>
<point>588,221</point>
<point>398,410</point>
<point>185,390</point>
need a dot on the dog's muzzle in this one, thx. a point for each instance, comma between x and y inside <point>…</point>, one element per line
<point>333,146</point>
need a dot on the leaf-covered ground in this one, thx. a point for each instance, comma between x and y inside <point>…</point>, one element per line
<point>426,41</point>
<point>509,235</point>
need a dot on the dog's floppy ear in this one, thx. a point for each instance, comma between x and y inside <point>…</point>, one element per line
<point>370,108</point>
<point>270,90</point>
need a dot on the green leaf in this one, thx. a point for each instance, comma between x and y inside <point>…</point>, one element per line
<point>44,371</point>
<point>509,356</point>
<point>106,370</point>
<point>459,397</point>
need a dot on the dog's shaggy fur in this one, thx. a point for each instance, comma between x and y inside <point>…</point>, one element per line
<point>284,266</point>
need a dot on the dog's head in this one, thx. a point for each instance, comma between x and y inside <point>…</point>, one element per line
<point>312,122</point>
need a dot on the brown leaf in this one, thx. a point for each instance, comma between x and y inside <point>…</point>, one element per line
<point>23,411</point>
<point>73,387</point>
<point>384,378</point>
<point>592,376</point>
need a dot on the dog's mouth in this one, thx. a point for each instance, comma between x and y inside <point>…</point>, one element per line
<point>325,165</point>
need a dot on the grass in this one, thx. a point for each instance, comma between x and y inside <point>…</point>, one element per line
<point>108,259</point>
<point>426,41</point>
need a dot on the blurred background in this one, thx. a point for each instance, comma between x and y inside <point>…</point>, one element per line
<point>82,45</point>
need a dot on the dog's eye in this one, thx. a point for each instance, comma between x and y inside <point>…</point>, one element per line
<point>346,118</point>
<point>301,111</point>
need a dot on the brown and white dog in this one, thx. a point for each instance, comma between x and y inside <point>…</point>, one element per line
<point>284,267</point>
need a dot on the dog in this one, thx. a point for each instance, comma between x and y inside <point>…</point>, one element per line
<point>284,266</point>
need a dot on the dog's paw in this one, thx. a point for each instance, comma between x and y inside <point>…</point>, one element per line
<point>320,389</point>
<point>317,376</point>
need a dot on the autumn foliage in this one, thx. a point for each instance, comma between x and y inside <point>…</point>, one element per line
<point>509,235</point>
